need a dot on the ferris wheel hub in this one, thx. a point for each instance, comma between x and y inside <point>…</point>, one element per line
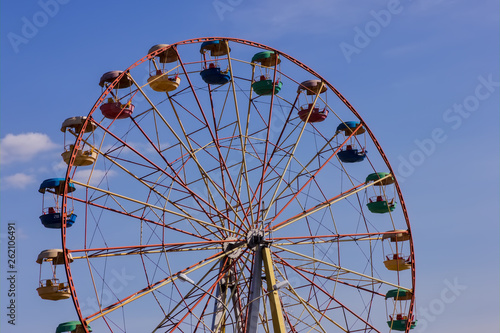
<point>255,237</point>
<point>233,247</point>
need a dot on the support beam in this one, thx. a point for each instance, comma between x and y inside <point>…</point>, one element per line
<point>218,317</point>
<point>255,289</point>
<point>274,300</point>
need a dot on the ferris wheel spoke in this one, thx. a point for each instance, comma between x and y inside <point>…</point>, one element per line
<point>207,286</point>
<point>313,312</point>
<point>222,161</point>
<point>265,165</point>
<point>312,176</point>
<point>243,137</point>
<point>190,301</point>
<point>286,150</point>
<point>244,141</point>
<point>328,238</point>
<point>210,181</point>
<point>142,218</point>
<point>154,286</point>
<point>324,205</point>
<point>161,209</point>
<point>277,145</point>
<point>224,168</point>
<point>344,270</point>
<point>249,140</point>
<point>189,150</point>
<point>279,180</point>
<point>151,187</point>
<point>146,249</point>
<point>192,152</point>
<point>332,298</point>
<point>332,277</point>
<point>179,181</point>
<point>290,309</point>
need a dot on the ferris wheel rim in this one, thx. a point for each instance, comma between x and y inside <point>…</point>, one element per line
<point>199,40</point>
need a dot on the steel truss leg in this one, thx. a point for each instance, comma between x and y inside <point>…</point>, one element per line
<point>263,254</point>
<point>255,289</point>
<point>220,307</point>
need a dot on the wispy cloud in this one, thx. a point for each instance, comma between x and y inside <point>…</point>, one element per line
<point>92,177</point>
<point>17,181</point>
<point>285,17</point>
<point>58,166</point>
<point>410,48</point>
<point>24,147</point>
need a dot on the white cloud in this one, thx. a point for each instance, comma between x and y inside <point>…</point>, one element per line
<point>83,176</point>
<point>24,147</point>
<point>162,146</point>
<point>17,181</point>
<point>59,166</point>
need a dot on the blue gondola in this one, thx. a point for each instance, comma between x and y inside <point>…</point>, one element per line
<point>351,154</point>
<point>53,220</point>
<point>212,74</point>
<point>51,216</point>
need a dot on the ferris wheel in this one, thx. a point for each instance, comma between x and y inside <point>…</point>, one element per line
<point>220,185</point>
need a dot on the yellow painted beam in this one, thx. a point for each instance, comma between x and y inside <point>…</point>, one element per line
<point>274,300</point>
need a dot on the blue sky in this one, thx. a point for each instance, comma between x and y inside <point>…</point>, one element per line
<point>425,79</point>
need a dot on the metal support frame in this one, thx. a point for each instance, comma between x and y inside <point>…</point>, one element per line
<point>274,300</point>
<point>255,289</point>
